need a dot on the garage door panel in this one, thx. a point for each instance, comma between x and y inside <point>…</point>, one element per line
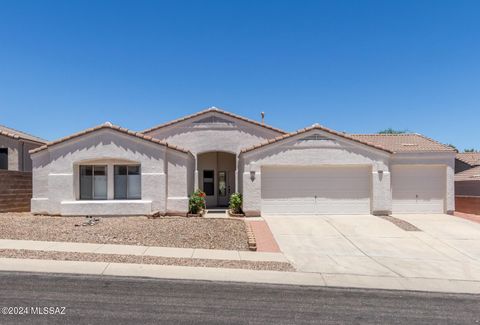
<point>418,189</point>
<point>316,190</point>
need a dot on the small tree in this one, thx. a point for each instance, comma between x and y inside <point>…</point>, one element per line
<point>392,131</point>
<point>470,150</point>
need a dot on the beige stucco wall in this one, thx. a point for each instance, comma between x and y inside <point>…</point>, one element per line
<point>227,137</point>
<point>55,174</point>
<point>336,151</point>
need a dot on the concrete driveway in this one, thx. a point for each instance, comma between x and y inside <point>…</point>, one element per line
<point>447,247</point>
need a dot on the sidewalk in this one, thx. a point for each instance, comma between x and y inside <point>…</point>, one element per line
<point>196,253</point>
<point>237,275</point>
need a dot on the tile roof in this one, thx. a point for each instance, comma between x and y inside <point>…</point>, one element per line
<point>404,143</point>
<point>472,174</point>
<point>470,158</point>
<point>316,127</point>
<point>217,110</point>
<point>15,134</point>
<point>108,125</point>
<point>392,143</point>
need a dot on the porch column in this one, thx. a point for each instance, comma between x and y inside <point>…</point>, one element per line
<point>236,173</point>
<point>195,181</point>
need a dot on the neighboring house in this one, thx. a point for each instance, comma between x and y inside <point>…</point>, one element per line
<point>108,170</point>
<point>467,182</point>
<point>14,149</point>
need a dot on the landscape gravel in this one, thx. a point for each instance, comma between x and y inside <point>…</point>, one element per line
<point>181,232</point>
<point>113,258</point>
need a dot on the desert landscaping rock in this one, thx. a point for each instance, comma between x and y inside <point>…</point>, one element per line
<point>113,258</point>
<point>402,224</point>
<point>182,232</point>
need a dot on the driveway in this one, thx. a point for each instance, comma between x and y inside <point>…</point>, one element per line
<point>447,247</point>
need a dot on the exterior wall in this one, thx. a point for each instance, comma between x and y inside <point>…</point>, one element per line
<point>15,191</point>
<point>13,153</point>
<point>444,159</point>
<point>206,137</point>
<point>336,151</point>
<point>179,170</point>
<point>18,156</point>
<point>470,188</point>
<point>468,204</point>
<point>55,174</point>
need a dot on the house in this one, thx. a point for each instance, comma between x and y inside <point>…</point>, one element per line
<point>14,149</point>
<point>109,170</point>
<point>467,182</point>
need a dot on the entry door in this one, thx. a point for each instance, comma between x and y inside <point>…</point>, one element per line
<point>223,188</point>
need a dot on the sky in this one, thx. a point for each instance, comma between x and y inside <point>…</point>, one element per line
<point>353,66</point>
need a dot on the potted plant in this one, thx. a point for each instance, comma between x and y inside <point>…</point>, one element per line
<point>196,204</point>
<point>235,205</point>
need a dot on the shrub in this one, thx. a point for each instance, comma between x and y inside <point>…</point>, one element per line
<point>236,201</point>
<point>196,202</point>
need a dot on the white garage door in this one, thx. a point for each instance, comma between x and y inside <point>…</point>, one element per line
<point>316,190</point>
<point>418,189</point>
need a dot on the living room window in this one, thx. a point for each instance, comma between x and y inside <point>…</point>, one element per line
<point>93,182</point>
<point>3,158</point>
<point>127,182</point>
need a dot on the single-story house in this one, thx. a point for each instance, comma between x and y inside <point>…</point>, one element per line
<point>109,170</point>
<point>467,182</point>
<point>14,149</point>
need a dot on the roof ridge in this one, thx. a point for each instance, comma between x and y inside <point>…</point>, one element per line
<point>437,142</point>
<point>212,109</point>
<point>382,134</point>
<point>108,125</point>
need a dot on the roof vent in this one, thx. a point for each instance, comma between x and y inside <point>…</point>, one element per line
<point>108,124</point>
<point>263,117</point>
<point>315,124</point>
<point>410,144</point>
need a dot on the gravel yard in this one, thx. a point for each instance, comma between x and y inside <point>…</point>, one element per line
<point>111,258</point>
<point>167,232</point>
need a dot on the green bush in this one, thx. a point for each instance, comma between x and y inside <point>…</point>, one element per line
<point>196,202</point>
<point>236,201</point>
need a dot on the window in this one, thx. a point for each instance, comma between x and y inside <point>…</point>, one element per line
<point>3,158</point>
<point>127,183</point>
<point>93,182</point>
<point>208,187</point>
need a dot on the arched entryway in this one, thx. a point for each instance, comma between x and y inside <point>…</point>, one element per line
<point>216,176</point>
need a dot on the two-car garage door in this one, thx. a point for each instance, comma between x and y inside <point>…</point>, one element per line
<point>316,190</point>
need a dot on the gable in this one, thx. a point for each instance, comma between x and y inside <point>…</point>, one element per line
<point>213,116</point>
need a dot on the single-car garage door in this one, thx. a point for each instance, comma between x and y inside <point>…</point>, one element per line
<point>316,190</point>
<point>418,189</point>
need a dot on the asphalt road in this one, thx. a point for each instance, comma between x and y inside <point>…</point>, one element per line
<point>105,300</point>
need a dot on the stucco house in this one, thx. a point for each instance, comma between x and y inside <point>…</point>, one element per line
<point>14,149</point>
<point>109,170</point>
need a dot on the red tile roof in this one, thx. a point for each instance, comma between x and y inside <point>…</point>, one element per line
<point>408,142</point>
<point>472,174</point>
<point>217,110</point>
<point>470,158</point>
<point>15,134</point>
<point>108,125</point>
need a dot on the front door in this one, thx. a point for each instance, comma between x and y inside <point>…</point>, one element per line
<point>223,188</point>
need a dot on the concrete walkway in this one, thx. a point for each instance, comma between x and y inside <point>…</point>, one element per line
<point>447,248</point>
<point>197,253</point>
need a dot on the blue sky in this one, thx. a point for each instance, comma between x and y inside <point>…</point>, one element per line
<point>355,66</point>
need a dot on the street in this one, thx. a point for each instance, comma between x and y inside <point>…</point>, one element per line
<point>101,299</point>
